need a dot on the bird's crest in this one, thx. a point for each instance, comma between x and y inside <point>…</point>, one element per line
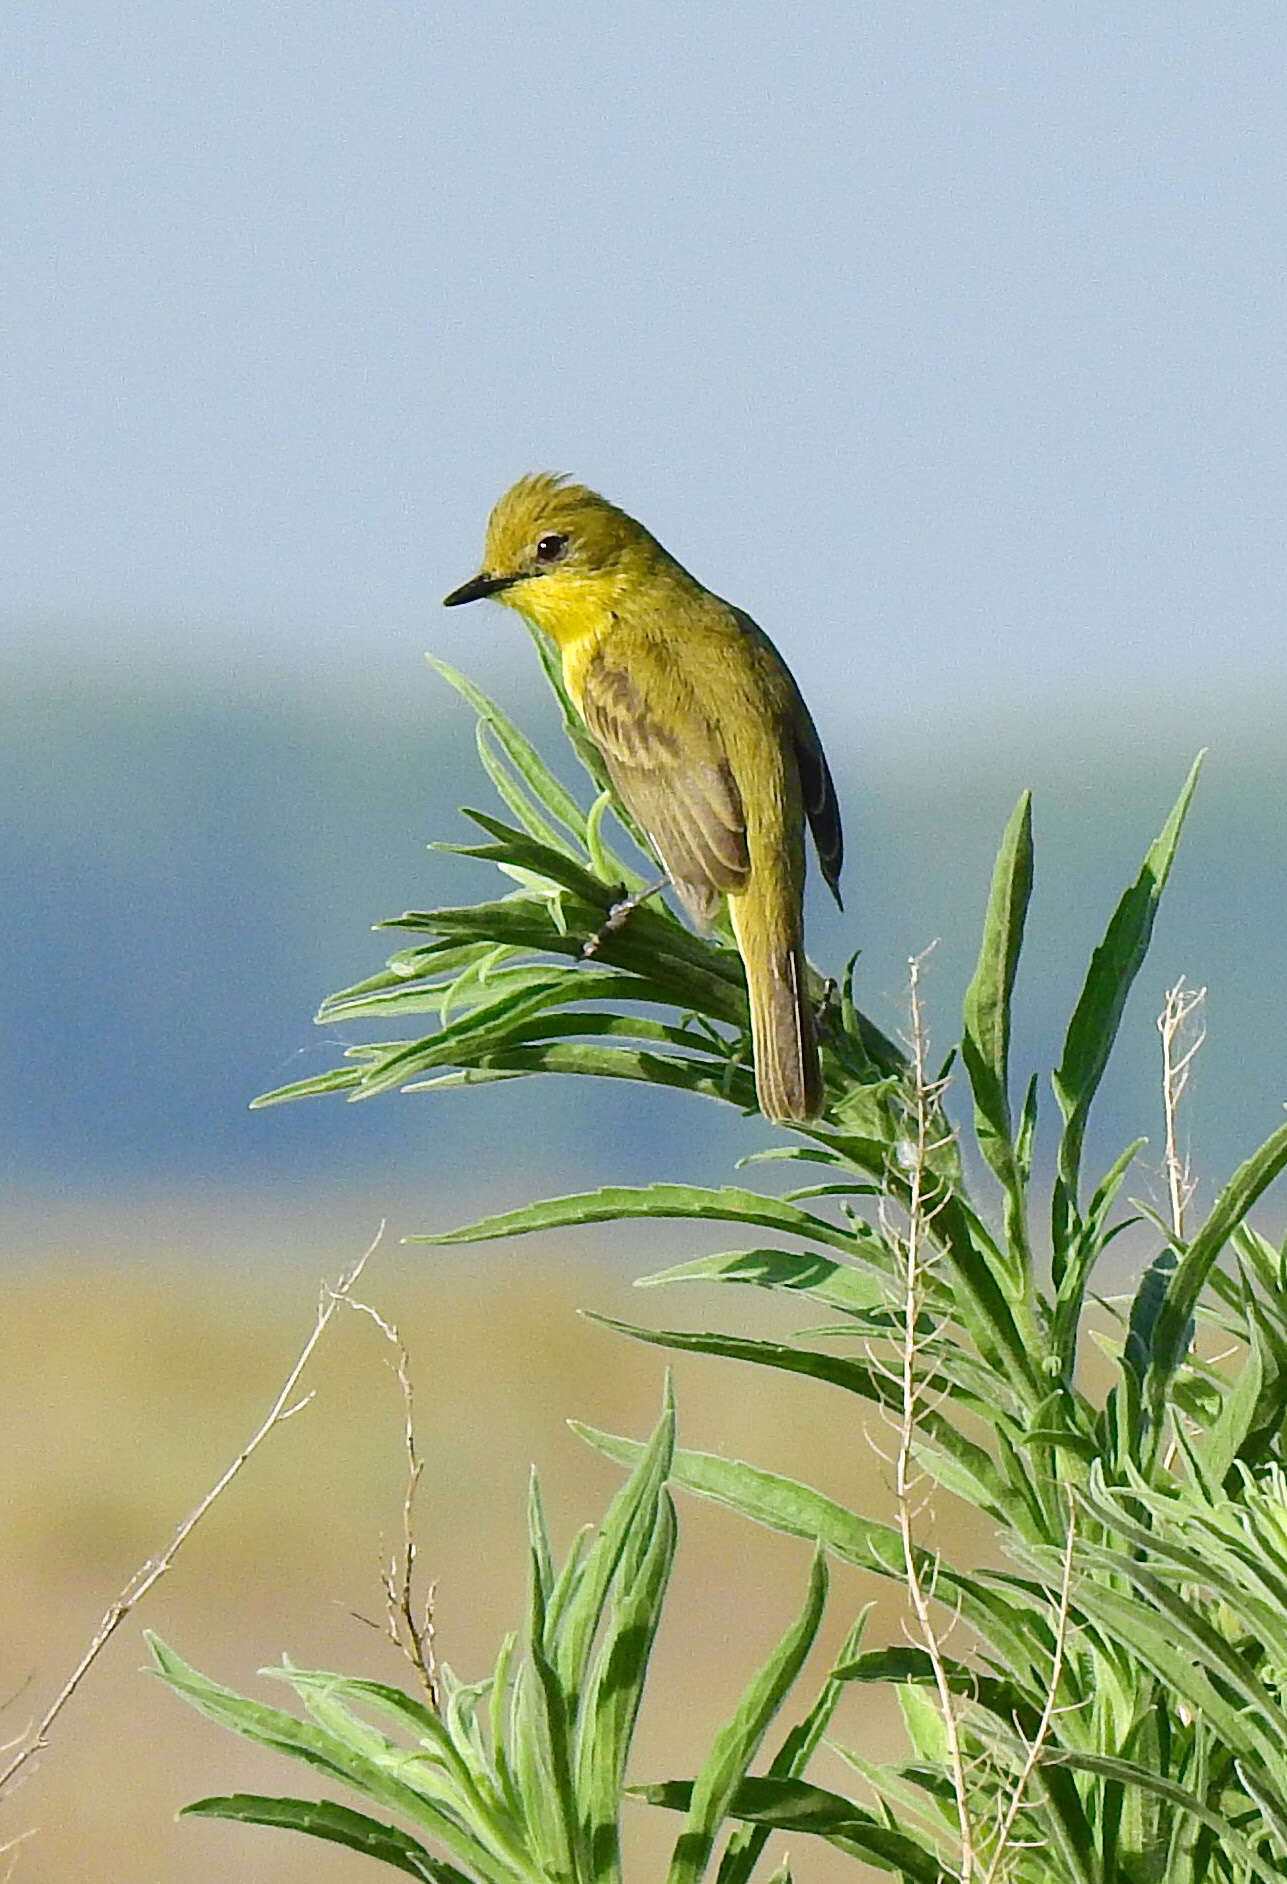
<point>548,504</point>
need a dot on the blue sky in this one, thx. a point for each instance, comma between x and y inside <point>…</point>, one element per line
<point>947,340</point>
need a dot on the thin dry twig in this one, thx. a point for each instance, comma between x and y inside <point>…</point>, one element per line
<point>36,1739</point>
<point>1005,1835</point>
<point>409,1625</point>
<point>918,1254</point>
<point>10,1850</point>
<point>1183,1031</point>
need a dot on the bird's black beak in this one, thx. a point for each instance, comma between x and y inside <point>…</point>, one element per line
<point>476,588</point>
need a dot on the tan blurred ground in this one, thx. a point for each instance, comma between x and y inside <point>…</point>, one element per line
<point>141,1346</point>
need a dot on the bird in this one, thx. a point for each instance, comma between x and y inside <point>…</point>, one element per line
<point>703,732</point>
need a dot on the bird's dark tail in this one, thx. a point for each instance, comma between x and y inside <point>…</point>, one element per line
<point>788,1071</point>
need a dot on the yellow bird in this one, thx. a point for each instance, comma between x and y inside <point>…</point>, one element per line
<point>703,732</point>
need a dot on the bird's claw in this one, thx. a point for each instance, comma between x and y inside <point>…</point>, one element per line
<point>619,914</point>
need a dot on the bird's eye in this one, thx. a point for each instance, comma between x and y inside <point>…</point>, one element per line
<point>550,548</point>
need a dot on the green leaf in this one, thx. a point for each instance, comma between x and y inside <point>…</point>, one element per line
<point>483,978</point>
<point>709,1079</point>
<point>1223,1441</point>
<point>912,1667</point>
<point>632,1515</point>
<point>1270,1806</point>
<point>792,1805</point>
<point>1090,1241</point>
<point>988,1300</point>
<point>522,755</point>
<point>784,1504</point>
<point>419,1720</point>
<point>562,1841</point>
<point>380,1780</point>
<point>926,1728</point>
<point>1158,1786</point>
<point>615,1203</point>
<point>1098,1015</point>
<point>1015,1713</point>
<point>432,966</point>
<point>519,922</point>
<point>534,1781</point>
<point>553,863</point>
<point>340,1079</point>
<point>1179,1648</point>
<point>696,975</point>
<point>338,1824</point>
<point>614,1692</point>
<point>985,1044</point>
<point>851,1375</point>
<point>739,1740</point>
<point>805,1272</point>
<point>972,1475</point>
<point>1171,1336</point>
<point>745,1847</point>
<point>603,859</point>
<point>1026,1134</point>
<point>471,1036</point>
<point>542,1766</point>
<point>500,1698</point>
<point>511,793</point>
<point>538,1543</point>
<point>561,1024</point>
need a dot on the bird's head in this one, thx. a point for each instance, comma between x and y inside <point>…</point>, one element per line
<point>559,554</point>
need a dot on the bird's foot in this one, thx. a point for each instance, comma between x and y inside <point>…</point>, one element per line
<point>619,915</point>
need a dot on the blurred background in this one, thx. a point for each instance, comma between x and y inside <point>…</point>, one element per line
<point>948,342</point>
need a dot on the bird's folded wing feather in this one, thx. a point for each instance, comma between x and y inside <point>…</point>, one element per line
<point>820,802</point>
<point>676,781</point>
<point>816,787</point>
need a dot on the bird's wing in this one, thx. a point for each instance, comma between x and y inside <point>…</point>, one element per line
<point>676,781</point>
<point>816,787</point>
<point>820,801</point>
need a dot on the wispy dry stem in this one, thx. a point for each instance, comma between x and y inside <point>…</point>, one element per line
<point>151,1572</point>
<point>10,1850</point>
<point>917,1251</point>
<point>1005,1832</point>
<point>409,1624</point>
<point>1183,1031</point>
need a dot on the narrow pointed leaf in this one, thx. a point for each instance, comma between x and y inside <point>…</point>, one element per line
<point>614,1693</point>
<point>803,1272</point>
<point>784,1504</point>
<point>1170,1335</point>
<point>512,794</point>
<point>745,1847</point>
<point>616,1203</point>
<point>1098,1014</point>
<point>707,1079</point>
<point>531,862</point>
<point>340,1079</point>
<point>739,1741</point>
<point>339,1825</point>
<point>1134,1774</point>
<point>302,1740</point>
<point>975,1475</point>
<point>1089,1244</point>
<point>985,1043</point>
<point>523,756</point>
<point>792,1805</point>
<point>632,1515</point>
